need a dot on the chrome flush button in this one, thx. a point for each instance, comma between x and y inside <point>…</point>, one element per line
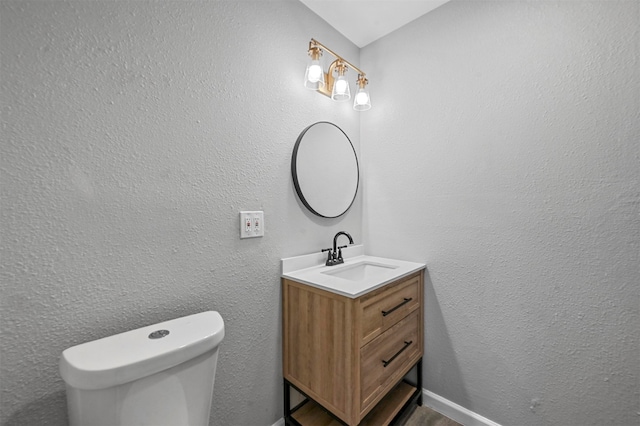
<point>158,334</point>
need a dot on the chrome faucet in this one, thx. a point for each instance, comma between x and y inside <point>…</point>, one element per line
<point>335,255</point>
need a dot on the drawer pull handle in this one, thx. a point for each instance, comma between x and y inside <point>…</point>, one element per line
<point>404,302</point>
<point>406,345</point>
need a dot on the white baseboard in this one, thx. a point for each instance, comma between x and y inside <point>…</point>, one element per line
<point>448,408</point>
<point>454,411</point>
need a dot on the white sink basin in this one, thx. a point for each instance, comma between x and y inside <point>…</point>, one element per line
<point>364,270</point>
<point>358,275</point>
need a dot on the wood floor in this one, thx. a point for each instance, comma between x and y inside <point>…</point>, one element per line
<point>425,416</point>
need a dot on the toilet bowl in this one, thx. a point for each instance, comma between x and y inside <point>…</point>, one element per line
<point>162,374</point>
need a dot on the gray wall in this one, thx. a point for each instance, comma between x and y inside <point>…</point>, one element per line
<point>503,149</point>
<point>133,134</point>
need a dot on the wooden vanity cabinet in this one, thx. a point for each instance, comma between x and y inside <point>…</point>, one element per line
<point>347,355</point>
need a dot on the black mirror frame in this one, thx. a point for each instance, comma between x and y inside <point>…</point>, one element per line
<point>294,173</point>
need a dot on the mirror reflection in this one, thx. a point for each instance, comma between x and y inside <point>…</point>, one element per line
<point>325,172</point>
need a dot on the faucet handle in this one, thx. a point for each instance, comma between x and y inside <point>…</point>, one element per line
<point>329,257</point>
<point>340,259</point>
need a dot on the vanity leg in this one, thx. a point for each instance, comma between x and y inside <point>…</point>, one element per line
<point>419,372</point>
<point>287,402</point>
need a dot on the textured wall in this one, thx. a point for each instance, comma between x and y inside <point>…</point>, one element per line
<point>503,149</point>
<point>133,134</point>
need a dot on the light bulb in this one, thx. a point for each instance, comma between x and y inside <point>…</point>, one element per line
<point>362,98</point>
<point>315,72</point>
<point>362,101</point>
<point>341,90</point>
<point>341,86</point>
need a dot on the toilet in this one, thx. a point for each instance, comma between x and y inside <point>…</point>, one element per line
<point>162,374</point>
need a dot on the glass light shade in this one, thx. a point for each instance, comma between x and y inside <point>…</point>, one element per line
<point>314,76</point>
<point>362,101</point>
<point>341,90</point>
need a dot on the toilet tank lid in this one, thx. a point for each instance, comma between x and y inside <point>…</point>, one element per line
<point>131,355</point>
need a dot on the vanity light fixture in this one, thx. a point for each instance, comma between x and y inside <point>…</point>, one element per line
<point>314,76</point>
<point>335,87</point>
<point>362,101</point>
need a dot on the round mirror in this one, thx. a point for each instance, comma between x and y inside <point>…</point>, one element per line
<point>325,170</point>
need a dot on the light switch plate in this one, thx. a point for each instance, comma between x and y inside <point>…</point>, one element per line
<point>251,224</point>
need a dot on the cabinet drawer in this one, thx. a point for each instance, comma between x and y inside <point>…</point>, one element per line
<point>383,310</point>
<point>387,358</point>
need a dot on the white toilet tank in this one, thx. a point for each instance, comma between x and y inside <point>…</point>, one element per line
<point>162,374</point>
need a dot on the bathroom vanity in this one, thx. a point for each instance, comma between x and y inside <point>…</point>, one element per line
<point>351,333</point>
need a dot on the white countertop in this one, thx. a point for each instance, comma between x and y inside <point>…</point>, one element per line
<point>358,275</point>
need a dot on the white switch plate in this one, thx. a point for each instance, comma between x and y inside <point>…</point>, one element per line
<point>251,224</point>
